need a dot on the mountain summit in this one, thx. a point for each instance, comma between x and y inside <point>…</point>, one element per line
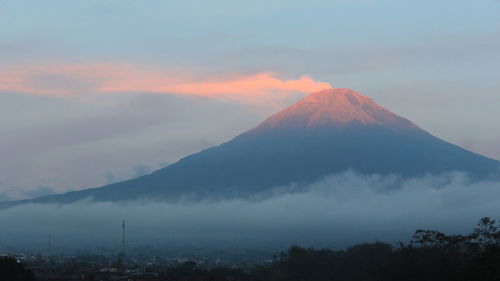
<point>325,133</point>
<point>334,108</point>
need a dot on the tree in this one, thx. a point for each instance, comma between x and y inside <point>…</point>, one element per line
<point>11,270</point>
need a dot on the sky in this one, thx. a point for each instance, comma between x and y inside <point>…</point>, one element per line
<point>94,92</point>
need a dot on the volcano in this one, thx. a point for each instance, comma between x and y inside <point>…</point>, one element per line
<point>325,133</point>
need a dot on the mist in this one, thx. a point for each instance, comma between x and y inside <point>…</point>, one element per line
<point>336,211</point>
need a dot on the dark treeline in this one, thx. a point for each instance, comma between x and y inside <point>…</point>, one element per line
<point>430,255</point>
<point>11,270</point>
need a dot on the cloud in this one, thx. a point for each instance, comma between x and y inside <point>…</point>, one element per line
<point>336,211</point>
<point>65,80</point>
<point>39,191</point>
<point>14,192</point>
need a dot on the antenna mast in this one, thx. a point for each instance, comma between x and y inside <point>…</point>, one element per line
<point>50,245</point>
<point>123,237</point>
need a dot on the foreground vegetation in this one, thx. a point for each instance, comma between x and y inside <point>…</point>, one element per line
<point>430,255</point>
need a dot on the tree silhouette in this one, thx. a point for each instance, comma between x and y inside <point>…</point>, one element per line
<point>11,270</point>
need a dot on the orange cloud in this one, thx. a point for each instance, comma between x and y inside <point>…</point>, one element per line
<point>61,79</point>
<point>104,78</point>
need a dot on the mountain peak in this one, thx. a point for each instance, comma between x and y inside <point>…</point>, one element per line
<point>338,93</point>
<point>335,107</point>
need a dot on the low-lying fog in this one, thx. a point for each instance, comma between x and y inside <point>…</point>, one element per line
<point>336,211</point>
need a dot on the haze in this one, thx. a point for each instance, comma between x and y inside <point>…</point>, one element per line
<point>336,211</point>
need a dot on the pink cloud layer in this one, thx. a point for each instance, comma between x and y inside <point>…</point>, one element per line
<point>104,78</point>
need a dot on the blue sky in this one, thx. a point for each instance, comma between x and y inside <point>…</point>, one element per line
<point>434,62</point>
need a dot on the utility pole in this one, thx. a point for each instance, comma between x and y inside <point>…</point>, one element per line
<point>50,245</point>
<point>123,237</point>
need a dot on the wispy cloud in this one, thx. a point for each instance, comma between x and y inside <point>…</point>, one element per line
<point>65,80</point>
